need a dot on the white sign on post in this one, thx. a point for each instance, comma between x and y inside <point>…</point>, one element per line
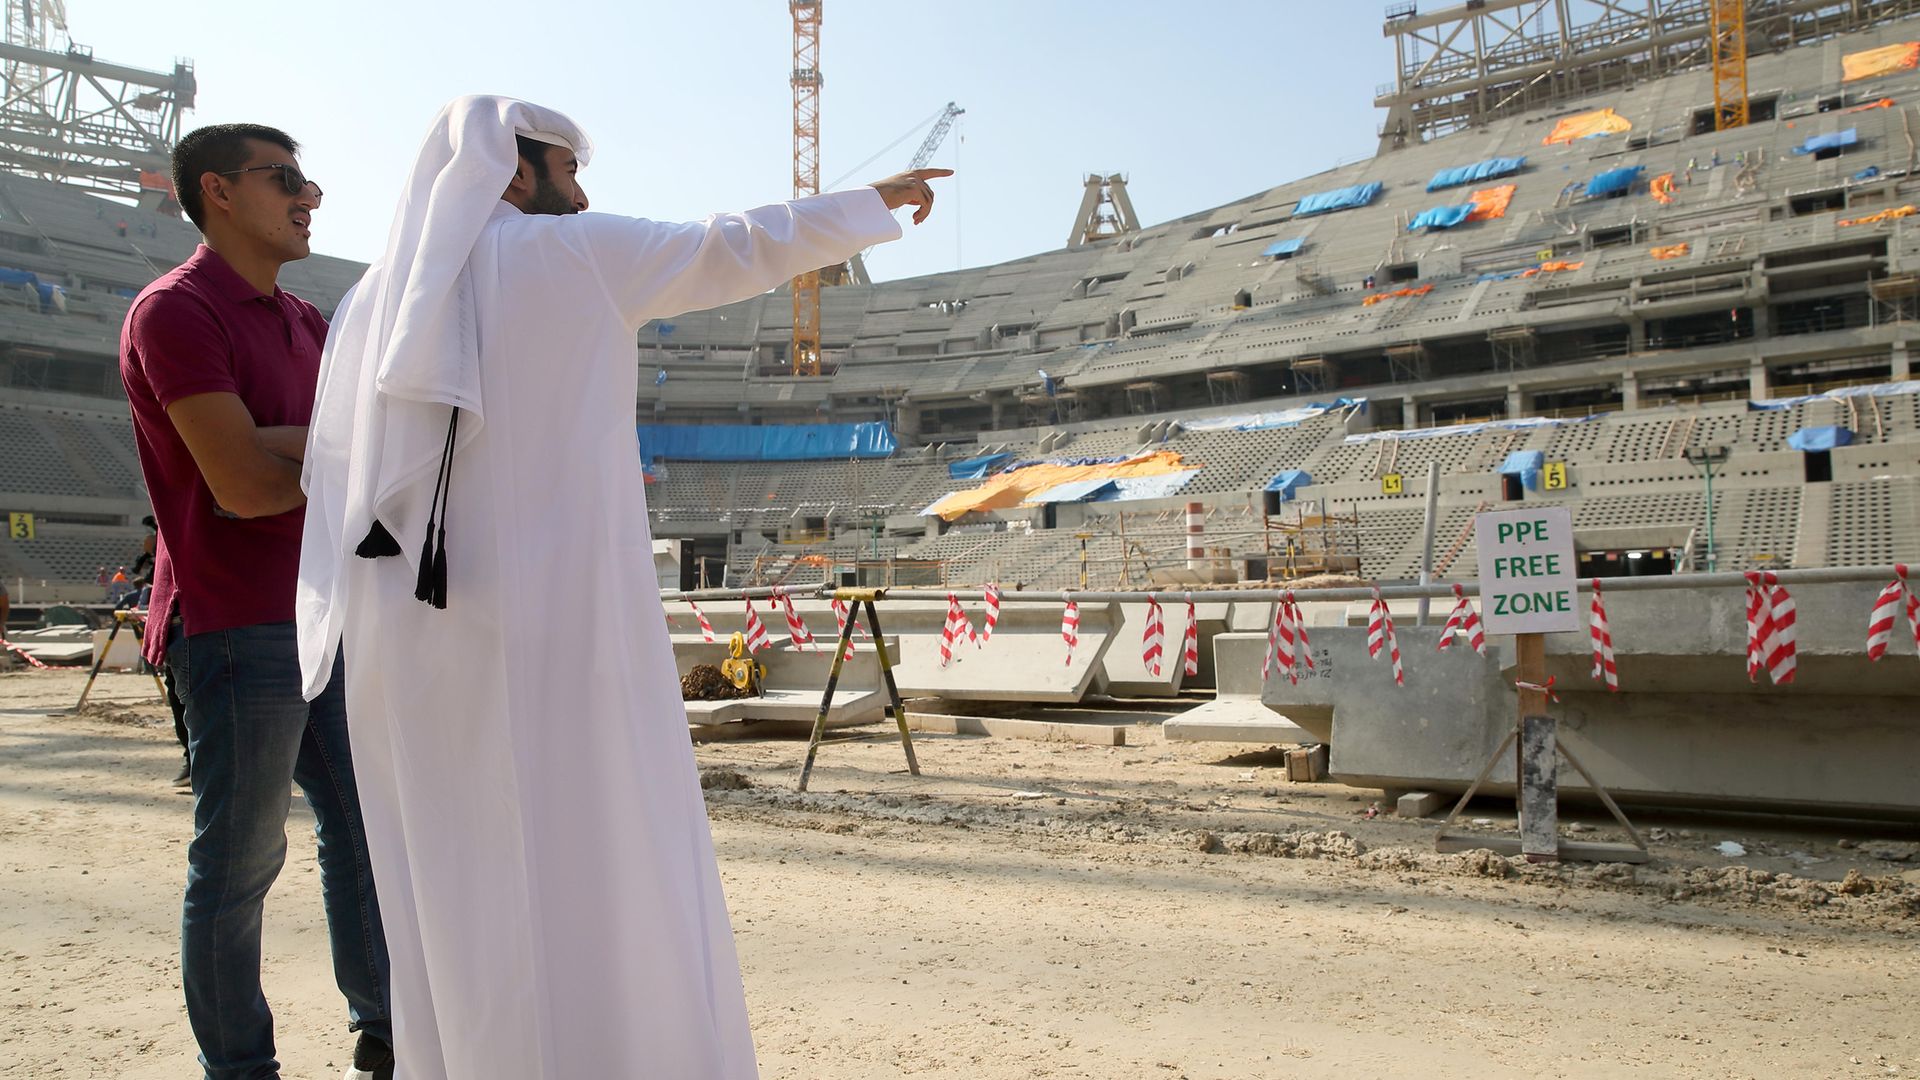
<point>1526,571</point>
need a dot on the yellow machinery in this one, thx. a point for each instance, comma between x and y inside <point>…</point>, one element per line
<point>740,668</point>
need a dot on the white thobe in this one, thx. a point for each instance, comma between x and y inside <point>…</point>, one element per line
<point>539,843</point>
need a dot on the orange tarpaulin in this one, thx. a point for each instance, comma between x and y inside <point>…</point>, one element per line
<point>1597,122</point>
<point>1671,251</point>
<point>1883,103</point>
<point>1661,188</point>
<point>1870,62</point>
<point>1884,215</point>
<point>1379,296</point>
<point>1553,268</point>
<point>1007,489</point>
<point>1491,203</point>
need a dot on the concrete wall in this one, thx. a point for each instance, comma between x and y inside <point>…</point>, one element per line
<point>1687,727</point>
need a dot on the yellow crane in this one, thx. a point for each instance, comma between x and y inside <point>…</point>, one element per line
<point>805,352</point>
<point>1729,31</point>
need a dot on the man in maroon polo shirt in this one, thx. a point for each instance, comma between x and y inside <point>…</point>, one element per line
<point>220,365</point>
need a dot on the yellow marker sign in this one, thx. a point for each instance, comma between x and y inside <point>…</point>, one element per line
<point>1392,483</point>
<point>1554,477</point>
<point>20,525</point>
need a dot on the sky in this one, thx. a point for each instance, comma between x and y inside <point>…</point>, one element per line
<point>690,110</point>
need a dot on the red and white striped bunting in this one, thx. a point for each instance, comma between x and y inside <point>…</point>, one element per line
<point>756,631</point>
<point>797,632</point>
<point>1771,638</point>
<point>956,627</point>
<point>1153,639</point>
<point>1603,666</point>
<point>993,613</point>
<point>706,628</point>
<point>1190,648</point>
<point>1465,622</point>
<point>1070,626</point>
<point>840,615</point>
<point>1380,636</point>
<point>23,654</point>
<point>1887,607</point>
<point>1287,641</point>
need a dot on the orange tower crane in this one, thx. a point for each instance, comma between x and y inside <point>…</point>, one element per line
<point>1729,32</point>
<point>805,353</point>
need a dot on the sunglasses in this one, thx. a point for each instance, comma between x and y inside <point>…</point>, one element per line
<point>290,177</point>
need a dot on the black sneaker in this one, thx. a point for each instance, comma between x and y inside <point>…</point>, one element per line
<point>185,779</point>
<point>372,1059</point>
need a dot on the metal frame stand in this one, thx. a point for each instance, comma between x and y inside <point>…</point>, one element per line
<point>1538,797</point>
<point>133,622</point>
<point>859,599</point>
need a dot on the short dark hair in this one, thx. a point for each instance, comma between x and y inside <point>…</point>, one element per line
<point>213,149</point>
<point>534,153</point>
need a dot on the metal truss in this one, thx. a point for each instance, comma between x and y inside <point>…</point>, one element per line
<point>103,127</point>
<point>1466,65</point>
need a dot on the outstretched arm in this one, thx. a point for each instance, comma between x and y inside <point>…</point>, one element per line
<point>655,269</point>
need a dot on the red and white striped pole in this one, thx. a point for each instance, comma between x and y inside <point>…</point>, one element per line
<point>1196,536</point>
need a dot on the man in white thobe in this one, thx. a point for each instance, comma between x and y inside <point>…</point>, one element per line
<point>533,811</point>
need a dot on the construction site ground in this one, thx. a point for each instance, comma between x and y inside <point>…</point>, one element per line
<point>1050,909</point>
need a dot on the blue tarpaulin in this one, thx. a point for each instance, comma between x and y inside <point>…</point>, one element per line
<point>1284,247</point>
<point>975,468</point>
<point>1867,173</point>
<point>770,442</point>
<point>1839,140</point>
<point>44,290</point>
<point>1072,491</point>
<point>1441,217</point>
<point>1267,421</point>
<point>1875,390</point>
<point>1820,438</point>
<point>1526,465</point>
<point>1110,459</point>
<point>1614,180</point>
<point>1164,486</point>
<point>1289,482</point>
<point>1340,199</point>
<point>1479,170</point>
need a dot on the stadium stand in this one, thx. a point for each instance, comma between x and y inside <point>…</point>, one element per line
<point>1654,289</point>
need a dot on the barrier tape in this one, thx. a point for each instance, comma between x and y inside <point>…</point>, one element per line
<point>1191,646</point>
<point>1887,607</point>
<point>1465,622</point>
<point>24,655</point>
<point>1544,688</point>
<point>840,627</point>
<point>1287,642</point>
<point>1603,665</point>
<point>1770,629</point>
<point>951,631</point>
<point>797,632</point>
<point>1070,626</point>
<point>1380,635</point>
<point>756,631</point>
<point>993,612</point>
<point>706,628</point>
<point>1153,639</point>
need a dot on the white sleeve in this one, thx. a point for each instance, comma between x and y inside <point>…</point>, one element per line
<point>656,269</point>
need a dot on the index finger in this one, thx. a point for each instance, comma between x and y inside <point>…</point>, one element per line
<point>930,174</point>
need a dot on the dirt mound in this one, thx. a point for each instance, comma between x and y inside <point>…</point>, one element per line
<point>705,683</point>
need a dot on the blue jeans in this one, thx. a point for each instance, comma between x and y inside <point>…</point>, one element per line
<point>249,736</point>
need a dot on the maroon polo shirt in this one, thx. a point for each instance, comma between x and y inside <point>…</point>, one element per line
<point>202,329</point>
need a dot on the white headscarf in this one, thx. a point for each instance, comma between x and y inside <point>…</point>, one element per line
<point>401,350</point>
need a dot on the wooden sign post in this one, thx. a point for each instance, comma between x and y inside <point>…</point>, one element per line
<point>1528,589</point>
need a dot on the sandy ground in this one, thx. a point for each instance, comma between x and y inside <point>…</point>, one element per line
<point>1048,910</point>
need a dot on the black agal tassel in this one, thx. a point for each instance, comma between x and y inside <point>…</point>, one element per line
<point>431,585</point>
<point>378,544</point>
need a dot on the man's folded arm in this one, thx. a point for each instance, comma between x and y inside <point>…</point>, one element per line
<point>655,269</point>
<point>252,471</point>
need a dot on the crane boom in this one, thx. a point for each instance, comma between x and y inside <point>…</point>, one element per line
<point>936,136</point>
<point>804,354</point>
